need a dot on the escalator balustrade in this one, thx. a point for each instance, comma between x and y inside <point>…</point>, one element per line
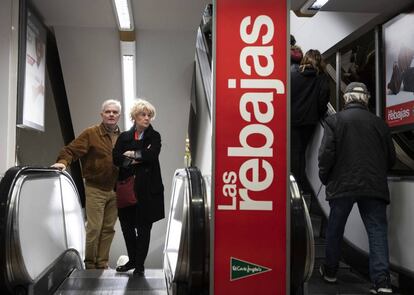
<point>41,230</point>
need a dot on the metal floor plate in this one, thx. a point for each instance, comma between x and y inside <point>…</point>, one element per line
<point>111,282</point>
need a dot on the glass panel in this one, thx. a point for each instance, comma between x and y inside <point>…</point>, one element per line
<point>331,71</point>
<point>40,223</point>
<point>358,64</point>
<point>176,221</point>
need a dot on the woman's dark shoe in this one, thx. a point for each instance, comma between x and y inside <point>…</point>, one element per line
<point>124,268</point>
<point>139,272</point>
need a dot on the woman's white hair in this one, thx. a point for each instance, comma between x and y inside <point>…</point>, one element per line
<point>142,105</point>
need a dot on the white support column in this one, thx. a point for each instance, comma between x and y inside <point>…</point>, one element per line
<point>9,11</point>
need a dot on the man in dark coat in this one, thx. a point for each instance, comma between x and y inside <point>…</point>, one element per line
<point>355,154</point>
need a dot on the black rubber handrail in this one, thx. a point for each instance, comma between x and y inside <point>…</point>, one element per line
<point>302,252</point>
<point>192,255</point>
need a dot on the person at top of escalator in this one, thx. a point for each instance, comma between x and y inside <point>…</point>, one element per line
<point>296,54</point>
<point>355,154</point>
<point>136,153</point>
<point>309,99</point>
<point>94,149</point>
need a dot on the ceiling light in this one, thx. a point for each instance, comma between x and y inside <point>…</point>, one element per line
<point>123,15</point>
<point>318,4</point>
<point>312,6</point>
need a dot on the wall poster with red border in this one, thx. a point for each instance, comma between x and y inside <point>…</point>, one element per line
<point>250,147</point>
<point>399,71</point>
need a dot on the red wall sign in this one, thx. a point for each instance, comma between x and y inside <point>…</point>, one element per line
<point>250,174</point>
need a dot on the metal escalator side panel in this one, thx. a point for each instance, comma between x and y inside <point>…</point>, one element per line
<point>310,246</point>
<point>74,218</point>
<point>302,243</point>
<point>40,223</point>
<point>17,272</point>
<point>176,248</point>
<point>208,234</point>
<point>35,226</point>
<point>401,146</point>
<point>400,224</point>
<point>185,252</point>
<point>203,69</point>
<point>312,168</point>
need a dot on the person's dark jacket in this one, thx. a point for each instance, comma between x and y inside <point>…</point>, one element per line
<point>309,96</point>
<point>355,154</point>
<point>148,185</point>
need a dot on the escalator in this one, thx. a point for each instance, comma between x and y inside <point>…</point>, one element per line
<point>187,243</point>
<point>42,236</point>
<point>41,230</point>
<point>199,131</point>
<point>187,246</point>
<point>401,184</point>
<point>302,253</point>
<point>401,241</point>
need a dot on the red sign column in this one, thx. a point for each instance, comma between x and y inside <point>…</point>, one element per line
<point>250,156</point>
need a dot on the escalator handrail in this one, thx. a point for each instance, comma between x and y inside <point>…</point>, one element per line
<point>198,227</point>
<point>192,258</point>
<point>299,209</point>
<point>204,61</point>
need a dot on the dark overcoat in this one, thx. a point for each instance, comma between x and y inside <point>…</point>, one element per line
<point>309,96</point>
<point>355,154</point>
<point>148,185</point>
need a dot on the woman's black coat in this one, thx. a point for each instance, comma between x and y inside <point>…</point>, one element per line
<point>309,96</point>
<point>148,186</point>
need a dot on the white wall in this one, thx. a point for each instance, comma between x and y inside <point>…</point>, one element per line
<point>8,83</point>
<point>92,72</point>
<point>326,28</point>
<point>164,70</point>
<point>90,59</point>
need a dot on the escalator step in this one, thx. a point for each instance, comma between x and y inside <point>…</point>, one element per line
<point>110,282</point>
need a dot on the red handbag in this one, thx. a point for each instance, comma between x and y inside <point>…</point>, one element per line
<point>125,194</point>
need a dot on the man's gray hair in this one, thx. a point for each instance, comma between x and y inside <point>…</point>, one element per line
<point>356,92</point>
<point>111,101</point>
<point>356,97</point>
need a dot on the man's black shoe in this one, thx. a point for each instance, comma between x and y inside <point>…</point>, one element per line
<point>124,268</point>
<point>382,287</point>
<point>327,275</point>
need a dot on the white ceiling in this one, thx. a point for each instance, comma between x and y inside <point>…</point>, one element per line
<point>176,14</point>
<point>148,14</point>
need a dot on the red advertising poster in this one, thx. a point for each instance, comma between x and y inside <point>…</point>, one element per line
<point>250,176</point>
<point>399,70</point>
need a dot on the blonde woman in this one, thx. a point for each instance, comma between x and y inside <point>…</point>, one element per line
<point>136,153</point>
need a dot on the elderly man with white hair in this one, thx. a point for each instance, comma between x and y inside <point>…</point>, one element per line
<point>94,149</point>
<point>355,154</point>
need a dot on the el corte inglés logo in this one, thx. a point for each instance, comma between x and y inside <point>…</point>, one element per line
<point>240,269</point>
